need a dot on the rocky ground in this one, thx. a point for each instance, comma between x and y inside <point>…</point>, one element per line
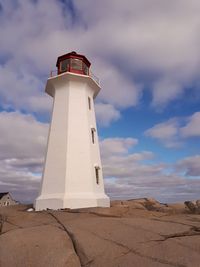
<point>135,233</point>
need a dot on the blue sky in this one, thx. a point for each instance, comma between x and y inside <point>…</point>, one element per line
<point>146,54</point>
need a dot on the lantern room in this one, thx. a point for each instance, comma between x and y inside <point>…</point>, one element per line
<point>73,62</point>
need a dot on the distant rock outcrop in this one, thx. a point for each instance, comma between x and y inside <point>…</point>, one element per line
<point>194,207</point>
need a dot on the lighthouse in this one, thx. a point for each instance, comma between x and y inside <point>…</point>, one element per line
<point>72,175</point>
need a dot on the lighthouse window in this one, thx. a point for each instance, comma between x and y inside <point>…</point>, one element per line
<point>85,69</point>
<point>76,64</point>
<point>97,174</point>
<point>64,65</point>
<point>89,102</point>
<point>93,132</point>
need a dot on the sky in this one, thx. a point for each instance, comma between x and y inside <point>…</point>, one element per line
<point>147,56</point>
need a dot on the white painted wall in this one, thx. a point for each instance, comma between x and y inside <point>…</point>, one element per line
<point>69,179</point>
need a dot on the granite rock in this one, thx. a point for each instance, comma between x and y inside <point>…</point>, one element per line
<point>137,233</point>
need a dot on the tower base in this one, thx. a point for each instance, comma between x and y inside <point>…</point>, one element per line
<point>71,201</point>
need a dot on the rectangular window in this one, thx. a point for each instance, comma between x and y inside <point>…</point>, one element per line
<point>76,64</point>
<point>64,65</point>
<point>97,174</point>
<point>93,133</point>
<point>85,69</point>
<point>89,102</point>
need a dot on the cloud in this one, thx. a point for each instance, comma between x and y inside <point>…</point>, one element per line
<point>119,162</point>
<point>133,175</point>
<point>25,69</point>
<point>22,136</point>
<point>192,128</point>
<point>164,188</point>
<point>166,132</point>
<point>117,145</point>
<point>173,132</point>
<point>190,165</point>
<point>22,149</point>
<point>22,90</point>
<point>165,90</point>
<point>159,49</point>
<point>161,41</point>
<point>23,184</point>
<point>117,89</point>
<point>28,52</point>
<point>106,113</point>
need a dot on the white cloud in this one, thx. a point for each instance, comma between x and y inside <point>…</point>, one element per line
<point>165,132</point>
<point>164,188</point>
<point>22,136</point>
<point>119,162</point>
<point>117,145</point>
<point>106,113</point>
<point>28,52</point>
<point>117,89</point>
<point>22,184</point>
<point>22,91</point>
<point>191,165</point>
<point>192,128</point>
<point>164,91</point>
<point>22,148</point>
<point>172,133</point>
<point>156,38</point>
<point>124,41</point>
<point>130,175</point>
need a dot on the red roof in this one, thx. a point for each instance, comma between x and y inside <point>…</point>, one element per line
<point>73,54</point>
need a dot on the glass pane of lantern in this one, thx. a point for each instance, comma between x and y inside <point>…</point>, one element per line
<point>64,65</point>
<point>85,69</point>
<point>76,64</point>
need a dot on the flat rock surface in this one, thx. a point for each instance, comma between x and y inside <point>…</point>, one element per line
<point>141,233</point>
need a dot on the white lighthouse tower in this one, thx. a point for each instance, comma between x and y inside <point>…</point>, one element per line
<point>72,176</point>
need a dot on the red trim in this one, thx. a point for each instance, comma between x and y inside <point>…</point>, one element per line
<point>73,55</point>
<point>76,56</point>
<point>77,71</point>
